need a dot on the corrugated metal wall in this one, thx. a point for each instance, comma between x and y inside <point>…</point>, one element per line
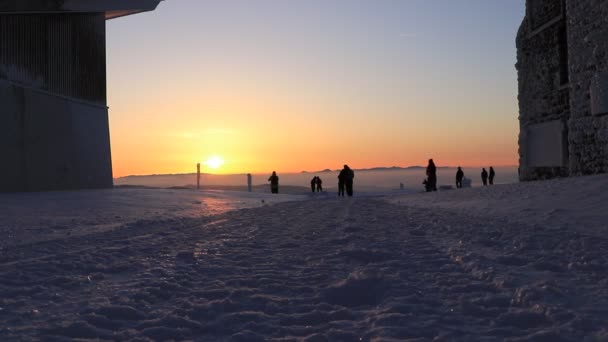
<point>60,53</point>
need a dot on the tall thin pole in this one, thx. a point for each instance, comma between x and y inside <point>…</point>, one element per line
<point>198,176</point>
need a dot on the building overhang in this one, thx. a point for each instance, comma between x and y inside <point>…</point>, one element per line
<point>111,8</point>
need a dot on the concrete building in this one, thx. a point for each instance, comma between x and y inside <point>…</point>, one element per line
<point>54,132</point>
<point>563,88</point>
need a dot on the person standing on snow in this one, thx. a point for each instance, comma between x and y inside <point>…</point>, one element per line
<point>341,182</point>
<point>313,183</point>
<point>349,176</point>
<point>459,177</point>
<point>274,183</point>
<point>492,175</point>
<point>431,173</point>
<point>484,177</point>
<point>319,184</point>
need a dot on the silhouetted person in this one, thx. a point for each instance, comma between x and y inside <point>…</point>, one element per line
<point>274,183</point>
<point>492,175</point>
<point>427,185</point>
<point>341,182</point>
<point>484,177</point>
<point>349,176</point>
<point>431,173</point>
<point>459,177</point>
<point>313,183</point>
<point>319,183</point>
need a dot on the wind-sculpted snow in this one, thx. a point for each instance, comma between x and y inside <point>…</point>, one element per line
<point>329,269</point>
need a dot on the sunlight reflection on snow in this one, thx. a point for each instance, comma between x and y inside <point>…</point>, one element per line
<point>217,206</point>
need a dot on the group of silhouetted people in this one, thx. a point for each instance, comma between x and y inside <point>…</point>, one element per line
<point>430,183</point>
<point>345,182</point>
<point>316,184</point>
<point>485,177</point>
<point>347,175</point>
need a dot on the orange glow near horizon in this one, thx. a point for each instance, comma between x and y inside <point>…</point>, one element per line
<point>256,137</point>
<point>267,90</point>
<point>147,167</point>
<point>293,144</point>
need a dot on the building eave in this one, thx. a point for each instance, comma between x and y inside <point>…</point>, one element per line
<point>111,8</point>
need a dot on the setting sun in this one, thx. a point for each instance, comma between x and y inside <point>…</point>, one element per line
<point>214,162</point>
<point>282,103</point>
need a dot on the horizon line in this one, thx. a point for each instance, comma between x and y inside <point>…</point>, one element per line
<point>304,171</point>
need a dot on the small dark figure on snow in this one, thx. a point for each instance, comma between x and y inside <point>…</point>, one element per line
<point>427,185</point>
<point>319,184</point>
<point>459,177</point>
<point>431,173</point>
<point>492,175</point>
<point>313,184</point>
<point>274,183</point>
<point>341,182</point>
<point>484,177</point>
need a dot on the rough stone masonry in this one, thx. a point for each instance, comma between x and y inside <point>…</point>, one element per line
<point>562,63</point>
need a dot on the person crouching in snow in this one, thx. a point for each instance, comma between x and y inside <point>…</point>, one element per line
<point>427,185</point>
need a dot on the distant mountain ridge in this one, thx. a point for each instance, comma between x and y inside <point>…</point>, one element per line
<point>379,168</point>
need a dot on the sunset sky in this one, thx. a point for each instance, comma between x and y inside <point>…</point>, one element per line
<point>292,85</point>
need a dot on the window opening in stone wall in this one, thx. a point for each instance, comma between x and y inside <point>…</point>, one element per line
<point>564,71</point>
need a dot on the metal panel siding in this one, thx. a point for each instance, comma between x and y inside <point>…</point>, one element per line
<point>60,53</point>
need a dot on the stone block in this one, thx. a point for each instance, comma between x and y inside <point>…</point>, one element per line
<point>599,94</point>
<point>546,145</point>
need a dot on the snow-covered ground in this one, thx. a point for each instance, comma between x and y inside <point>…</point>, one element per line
<point>519,262</point>
<point>30,217</point>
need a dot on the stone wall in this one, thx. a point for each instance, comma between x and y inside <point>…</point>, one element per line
<point>541,94</point>
<point>541,12</point>
<point>563,81</point>
<point>588,55</point>
<point>544,95</point>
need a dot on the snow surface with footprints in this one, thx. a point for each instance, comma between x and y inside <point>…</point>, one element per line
<point>370,268</point>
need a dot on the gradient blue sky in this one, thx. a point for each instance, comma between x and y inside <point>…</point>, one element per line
<point>306,84</point>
